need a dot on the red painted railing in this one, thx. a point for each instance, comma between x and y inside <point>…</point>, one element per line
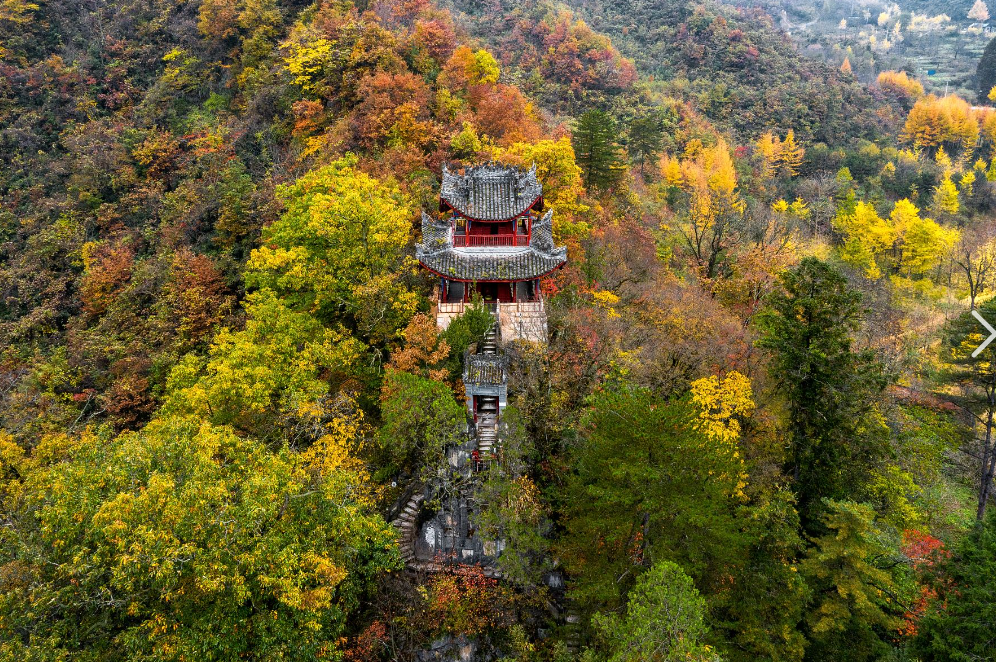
<point>477,240</point>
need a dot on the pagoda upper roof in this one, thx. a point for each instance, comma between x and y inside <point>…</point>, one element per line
<point>436,253</point>
<point>491,192</point>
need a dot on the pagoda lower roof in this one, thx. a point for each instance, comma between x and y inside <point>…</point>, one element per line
<point>528,264</point>
<point>437,254</point>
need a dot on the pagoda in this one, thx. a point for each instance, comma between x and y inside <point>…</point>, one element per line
<point>492,241</point>
<point>492,238</point>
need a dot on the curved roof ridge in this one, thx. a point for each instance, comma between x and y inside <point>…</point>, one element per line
<point>491,191</point>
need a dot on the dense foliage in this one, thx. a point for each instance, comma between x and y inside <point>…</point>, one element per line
<point>757,430</point>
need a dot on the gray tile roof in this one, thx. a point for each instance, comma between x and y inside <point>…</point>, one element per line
<point>484,369</point>
<point>436,253</point>
<point>491,192</point>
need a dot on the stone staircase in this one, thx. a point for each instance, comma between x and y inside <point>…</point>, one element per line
<point>572,625</point>
<point>487,433</point>
<point>487,417</point>
<point>489,344</point>
<point>486,370</point>
<point>406,524</point>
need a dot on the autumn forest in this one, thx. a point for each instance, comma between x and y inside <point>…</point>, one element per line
<point>751,422</point>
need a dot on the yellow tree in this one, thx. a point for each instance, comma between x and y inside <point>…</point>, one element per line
<point>899,83</point>
<point>769,147</point>
<point>921,243</point>
<point>557,168</point>
<point>723,404</point>
<point>339,251</point>
<point>176,517</point>
<point>987,124</point>
<point>924,127</point>
<point>948,121</point>
<point>790,155</point>
<point>16,11</point>
<point>962,127</point>
<point>266,378</point>
<point>866,238</point>
<point>946,197</point>
<point>976,258</point>
<point>711,205</point>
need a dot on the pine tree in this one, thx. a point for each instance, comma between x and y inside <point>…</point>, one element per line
<point>851,605</point>
<point>985,73</point>
<point>830,388</point>
<point>597,150</point>
<point>960,626</point>
<point>975,376</point>
<point>664,620</point>
<point>646,136</point>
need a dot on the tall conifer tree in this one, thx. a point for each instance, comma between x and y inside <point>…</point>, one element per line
<point>597,150</point>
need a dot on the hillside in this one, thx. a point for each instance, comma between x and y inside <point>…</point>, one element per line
<point>936,41</point>
<point>688,376</point>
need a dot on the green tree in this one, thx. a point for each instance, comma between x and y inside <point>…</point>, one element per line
<point>646,136</point>
<point>985,72</point>
<point>959,625</point>
<point>836,434</point>
<point>854,610</point>
<point>646,484</point>
<point>975,377</point>
<point>513,510</point>
<point>463,331</point>
<point>597,150</point>
<point>664,620</point>
<point>759,616</point>
<point>420,419</point>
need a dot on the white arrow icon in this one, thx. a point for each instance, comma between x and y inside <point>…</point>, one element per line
<point>991,330</point>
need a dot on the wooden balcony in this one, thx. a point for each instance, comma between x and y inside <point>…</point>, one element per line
<point>489,240</point>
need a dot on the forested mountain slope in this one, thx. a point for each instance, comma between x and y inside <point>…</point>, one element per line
<point>756,430</point>
<point>739,68</point>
